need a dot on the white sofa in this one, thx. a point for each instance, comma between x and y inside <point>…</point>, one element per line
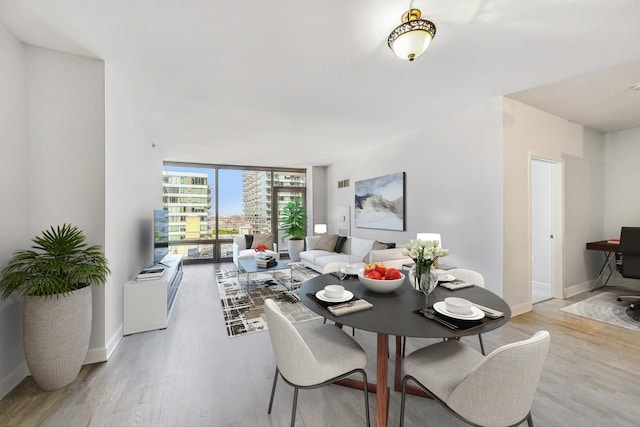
<point>240,250</point>
<point>355,250</point>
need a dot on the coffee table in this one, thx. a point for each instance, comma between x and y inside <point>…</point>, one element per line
<point>249,266</point>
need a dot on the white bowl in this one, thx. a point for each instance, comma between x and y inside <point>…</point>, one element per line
<point>381,286</point>
<point>333,291</point>
<point>457,305</point>
<point>352,268</point>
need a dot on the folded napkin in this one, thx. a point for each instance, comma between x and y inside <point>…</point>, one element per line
<point>327,304</point>
<point>349,307</point>
<point>489,312</point>
<point>455,284</point>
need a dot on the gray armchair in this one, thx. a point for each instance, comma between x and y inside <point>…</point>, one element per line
<point>629,262</point>
<point>493,390</point>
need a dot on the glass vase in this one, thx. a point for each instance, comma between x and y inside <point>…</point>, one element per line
<point>424,282</point>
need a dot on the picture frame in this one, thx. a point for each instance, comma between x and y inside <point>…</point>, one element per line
<point>380,202</point>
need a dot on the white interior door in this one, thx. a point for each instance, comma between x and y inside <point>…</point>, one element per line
<point>546,229</point>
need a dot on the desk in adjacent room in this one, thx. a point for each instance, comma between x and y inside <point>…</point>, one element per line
<point>609,250</point>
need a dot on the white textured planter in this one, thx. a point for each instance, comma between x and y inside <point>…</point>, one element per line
<point>295,247</point>
<point>56,333</point>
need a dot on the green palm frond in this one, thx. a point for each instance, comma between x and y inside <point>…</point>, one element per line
<point>59,262</point>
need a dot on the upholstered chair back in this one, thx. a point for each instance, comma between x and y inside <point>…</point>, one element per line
<point>500,390</point>
<point>630,250</point>
<point>294,358</point>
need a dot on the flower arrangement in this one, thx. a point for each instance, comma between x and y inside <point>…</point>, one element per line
<point>424,253</point>
<point>261,248</point>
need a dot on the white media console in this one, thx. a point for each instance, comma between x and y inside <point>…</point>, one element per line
<point>148,303</point>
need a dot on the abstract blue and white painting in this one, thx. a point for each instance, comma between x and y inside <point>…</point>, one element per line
<point>379,202</point>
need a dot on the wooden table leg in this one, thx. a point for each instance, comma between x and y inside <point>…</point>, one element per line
<point>397,377</point>
<point>382,391</point>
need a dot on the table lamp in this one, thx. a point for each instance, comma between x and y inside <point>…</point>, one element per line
<point>320,229</point>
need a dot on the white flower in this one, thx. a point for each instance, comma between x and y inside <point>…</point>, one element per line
<point>424,252</point>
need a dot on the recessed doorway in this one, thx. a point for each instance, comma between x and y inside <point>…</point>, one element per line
<point>547,231</point>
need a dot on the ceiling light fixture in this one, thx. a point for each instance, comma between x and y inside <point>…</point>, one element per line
<point>411,38</point>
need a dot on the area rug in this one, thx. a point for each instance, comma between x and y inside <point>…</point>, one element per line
<point>604,307</point>
<point>243,305</point>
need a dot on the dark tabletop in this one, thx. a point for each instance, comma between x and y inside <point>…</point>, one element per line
<point>604,246</point>
<point>392,313</point>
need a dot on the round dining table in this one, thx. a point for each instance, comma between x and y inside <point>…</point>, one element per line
<point>394,314</point>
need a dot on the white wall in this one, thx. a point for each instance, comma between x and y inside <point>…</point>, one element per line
<point>65,122</point>
<point>54,151</point>
<point>531,131</point>
<point>584,212</point>
<point>13,193</point>
<point>134,188</point>
<point>622,163</point>
<point>453,185</point>
<point>65,140</point>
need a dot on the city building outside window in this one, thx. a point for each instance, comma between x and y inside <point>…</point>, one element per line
<point>210,204</point>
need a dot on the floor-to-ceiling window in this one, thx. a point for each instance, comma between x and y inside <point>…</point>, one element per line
<point>210,204</point>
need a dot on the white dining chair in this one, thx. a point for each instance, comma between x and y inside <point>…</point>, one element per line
<point>312,357</point>
<point>493,390</point>
<point>468,276</point>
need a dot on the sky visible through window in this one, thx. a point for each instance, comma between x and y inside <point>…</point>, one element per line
<point>230,188</point>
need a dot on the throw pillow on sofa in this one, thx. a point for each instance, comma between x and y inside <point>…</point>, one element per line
<point>340,244</point>
<point>327,242</point>
<point>376,247</point>
<point>379,245</point>
<point>262,239</point>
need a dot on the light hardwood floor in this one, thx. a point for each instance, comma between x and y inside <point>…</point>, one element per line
<point>191,374</point>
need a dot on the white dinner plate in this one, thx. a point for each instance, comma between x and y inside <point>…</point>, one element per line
<point>345,297</point>
<point>476,313</point>
<point>446,278</point>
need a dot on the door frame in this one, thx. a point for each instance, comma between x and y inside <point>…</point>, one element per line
<point>557,223</point>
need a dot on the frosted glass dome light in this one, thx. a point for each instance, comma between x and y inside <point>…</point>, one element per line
<point>411,38</point>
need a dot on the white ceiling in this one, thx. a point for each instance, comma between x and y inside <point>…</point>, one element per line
<point>229,81</point>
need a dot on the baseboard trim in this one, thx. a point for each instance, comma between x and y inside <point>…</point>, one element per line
<point>519,309</point>
<point>578,288</point>
<point>94,355</point>
<point>115,340</point>
<point>14,378</point>
<point>102,354</point>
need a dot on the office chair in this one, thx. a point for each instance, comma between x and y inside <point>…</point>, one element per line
<point>629,262</point>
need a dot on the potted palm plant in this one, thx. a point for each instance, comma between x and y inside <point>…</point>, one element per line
<point>294,222</point>
<point>55,278</point>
